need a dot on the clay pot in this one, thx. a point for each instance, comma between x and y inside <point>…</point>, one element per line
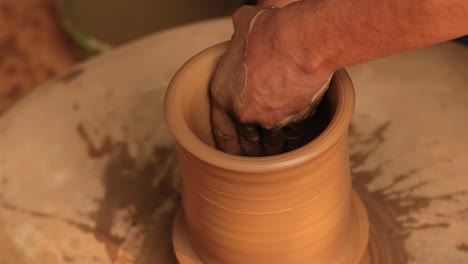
<point>296,207</point>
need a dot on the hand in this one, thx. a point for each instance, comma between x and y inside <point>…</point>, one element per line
<point>277,3</point>
<point>262,94</point>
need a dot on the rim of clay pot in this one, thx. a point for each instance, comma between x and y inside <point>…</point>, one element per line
<point>175,118</point>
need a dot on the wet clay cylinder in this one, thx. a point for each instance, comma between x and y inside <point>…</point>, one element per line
<point>297,207</point>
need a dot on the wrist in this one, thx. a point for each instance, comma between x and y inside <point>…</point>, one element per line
<point>305,42</point>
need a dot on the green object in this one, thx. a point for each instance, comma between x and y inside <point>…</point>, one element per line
<point>98,25</point>
<point>89,43</point>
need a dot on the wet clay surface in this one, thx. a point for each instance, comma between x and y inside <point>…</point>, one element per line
<point>416,175</point>
<point>390,210</point>
<point>131,191</point>
<point>382,210</point>
<point>409,165</point>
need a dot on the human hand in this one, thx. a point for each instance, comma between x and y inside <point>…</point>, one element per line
<point>262,94</point>
<point>277,3</point>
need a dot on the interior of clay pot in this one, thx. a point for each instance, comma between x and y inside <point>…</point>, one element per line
<point>187,109</point>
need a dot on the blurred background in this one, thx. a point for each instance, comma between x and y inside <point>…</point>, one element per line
<point>39,39</point>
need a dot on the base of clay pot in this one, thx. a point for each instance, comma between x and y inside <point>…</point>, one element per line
<point>382,248</point>
<point>186,255</point>
<point>379,250</point>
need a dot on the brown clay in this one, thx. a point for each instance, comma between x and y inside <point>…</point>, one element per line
<point>297,207</point>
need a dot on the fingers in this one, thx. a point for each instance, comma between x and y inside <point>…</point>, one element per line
<point>252,141</point>
<point>235,138</point>
<point>296,135</point>
<point>224,131</point>
<point>246,140</point>
<point>273,141</point>
<point>249,140</point>
<point>255,141</point>
<point>303,131</point>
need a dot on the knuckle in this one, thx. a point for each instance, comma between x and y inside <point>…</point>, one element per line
<point>243,116</point>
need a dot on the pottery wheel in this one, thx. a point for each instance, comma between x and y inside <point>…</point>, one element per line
<point>88,169</point>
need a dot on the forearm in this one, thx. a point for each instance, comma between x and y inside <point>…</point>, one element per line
<point>338,33</point>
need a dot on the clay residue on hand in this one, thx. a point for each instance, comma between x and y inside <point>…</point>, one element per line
<point>134,216</point>
<point>288,138</point>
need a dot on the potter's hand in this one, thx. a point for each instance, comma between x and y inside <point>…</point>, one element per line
<point>277,77</point>
<point>261,93</point>
<point>277,3</point>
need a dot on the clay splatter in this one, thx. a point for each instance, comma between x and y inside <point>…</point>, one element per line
<point>80,226</point>
<point>68,259</point>
<point>462,247</point>
<point>76,106</point>
<point>390,207</point>
<point>94,150</point>
<point>148,194</point>
<point>463,213</point>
